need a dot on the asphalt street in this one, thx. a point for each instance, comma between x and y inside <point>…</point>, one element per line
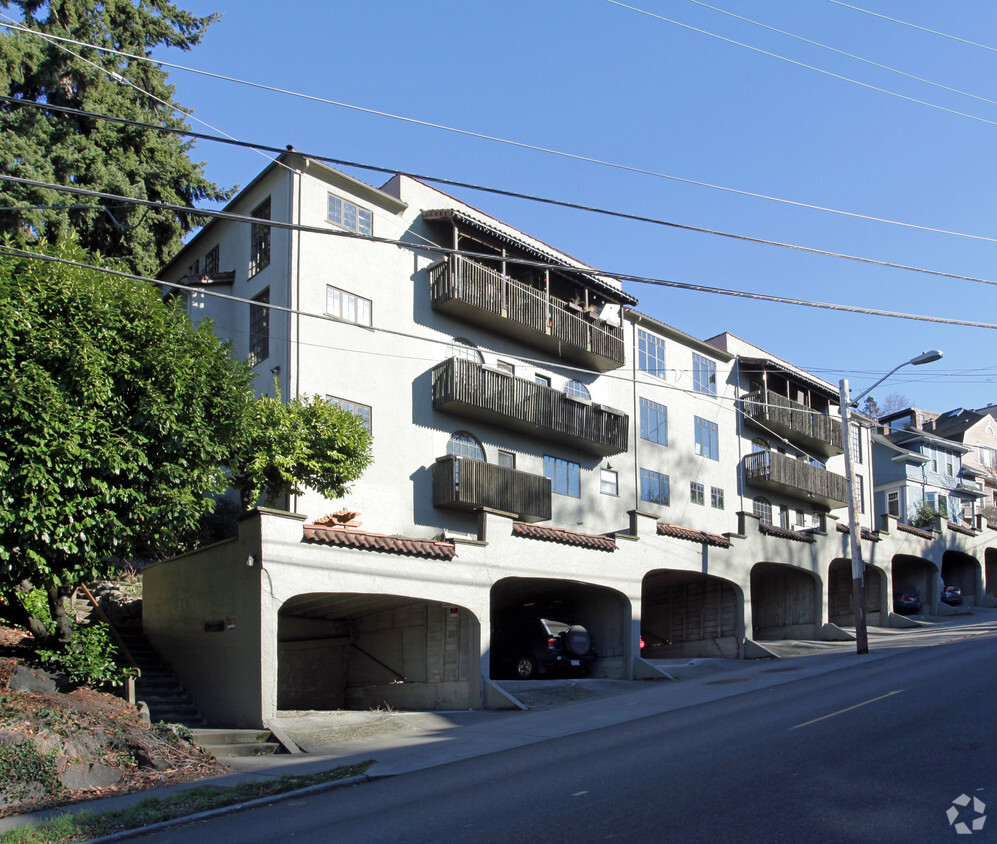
<point>876,752</point>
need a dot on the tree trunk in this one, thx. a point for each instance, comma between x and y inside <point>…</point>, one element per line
<point>63,623</point>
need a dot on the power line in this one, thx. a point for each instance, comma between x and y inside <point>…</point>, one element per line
<point>514,194</point>
<point>521,144</point>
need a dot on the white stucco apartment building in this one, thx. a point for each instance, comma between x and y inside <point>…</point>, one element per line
<point>537,442</point>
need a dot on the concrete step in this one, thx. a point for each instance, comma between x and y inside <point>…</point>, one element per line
<point>225,743</point>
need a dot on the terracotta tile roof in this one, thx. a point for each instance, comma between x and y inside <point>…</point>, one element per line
<point>783,533</point>
<point>961,529</point>
<point>924,534</point>
<point>865,533</point>
<point>364,541</point>
<point>679,532</point>
<point>567,537</point>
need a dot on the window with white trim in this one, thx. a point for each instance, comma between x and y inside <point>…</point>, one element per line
<point>855,443</point>
<point>762,508</point>
<point>704,375</point>
<point>893,502</point>
<point>347,306</point>
<point>697,493</point>
<point>361,410</point>
<point>578,390</point>
<point>465,350</point>
<point>463,444</point>
<point>651,353</point>
<point>350,216</point>
<point>716,498</point>
<point>506,459</point>
<point>654,487</point>
<point>565,476</point>
<point>707,438</point>
<point>609,482</point>
<point>653,422</point>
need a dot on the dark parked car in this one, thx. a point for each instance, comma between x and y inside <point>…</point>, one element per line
<point>952,595</point>
<point>526,643</point>
<point>907,602</point>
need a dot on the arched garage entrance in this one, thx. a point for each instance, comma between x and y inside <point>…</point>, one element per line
<point>918,575</point>
<point>841,598</point>
<point>690,615</point>
<point>962,570</point>
<point>604,612</point>
<point>990,562</point>
<point>785,602</point>
<point>358,651</point>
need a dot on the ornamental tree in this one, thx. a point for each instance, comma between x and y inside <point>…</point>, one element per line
<point>97,154</point>
<point>118,418</point>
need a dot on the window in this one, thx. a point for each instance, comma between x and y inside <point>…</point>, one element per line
<point>462,444</point>
<point>465,350</point>
<point>784,517</point>
<point>697,494</point>
<point>211,261</point>
<point>949,464</point>
<point>988,457</point>
<point>758,444</point>
<point>609,482</point>
<point>653,421</point>
<point>578,390</point>
<point>259,249</point>
<point>506,367</point>
<point>347,306</point>
<point>654,487</point>
<point>893,502</point>
<point>507,459</point>
<point>938,502</point>
<point>651,353</point>
<point>259,328</point>
<point>716,497</point>
<point>860,492</point>
<point>194,269</point>
<point>361,410</point>
<point>801,518</point>
<point>707,439</point>
<point>350,216</point>
<point>763,510</point>
<point>542,380</point>
<point>565,476</point>
<point>704,375</point>
<point>855,443</point>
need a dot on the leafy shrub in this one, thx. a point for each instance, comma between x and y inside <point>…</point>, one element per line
<point>924,515</point>
<point>89,658</point>
<point>35,601</point>
<point>23,764</point>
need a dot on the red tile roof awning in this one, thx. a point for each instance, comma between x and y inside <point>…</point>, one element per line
<point>565,537</point>
<point>865,533</point>
<point>364,541</point>
<point>679,532</point>
<point>783,533</point>
<point>924,534</point>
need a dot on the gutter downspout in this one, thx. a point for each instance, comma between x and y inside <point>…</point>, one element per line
<point>635,415</point>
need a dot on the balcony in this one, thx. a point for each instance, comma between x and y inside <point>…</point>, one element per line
<point>797,478</point>
<point>815,433</point>
<point>475,293</point>
<point>462,483</point>
<point>469,389</point>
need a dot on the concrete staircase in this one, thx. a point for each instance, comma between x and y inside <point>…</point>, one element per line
<point>225,744</point>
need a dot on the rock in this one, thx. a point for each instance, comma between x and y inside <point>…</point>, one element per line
<point>21,793</point>
<point>146,759</point>
<point>32,680</point>
<point>89,776</point>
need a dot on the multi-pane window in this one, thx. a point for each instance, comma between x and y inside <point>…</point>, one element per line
<point>578,390</point>
<point>260,239</point>
<point>763,510</point>
<point>654,487</point>
<point>697,493</point>
<point>541,380</point>
<point>259,328</point>
<point>707,439</point>
<point>361,410</point>
<point>347,306</point>
<point>564,475</point>
<point>463,444</point>
<point>465,350</point>
<point>651,353</point>
<point>855,443</point>
<point>653,421</point>
<point>506,459</point>
<point>704,375</point>
<point>716,497</point>
<point>860,492</point>
<point>988,457</point>
<point>609,483</point>
<point>506,367</point>
<point>893,502</point>
<point>211,261</point>
<point>350,216</point>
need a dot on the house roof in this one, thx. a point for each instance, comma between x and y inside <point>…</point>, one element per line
<point>784,533</point>
<point>669,330</point>
<point>865,533</point>
<point>565,537</point>
<point>924,534</point>
<point>693,535</point>
<point>790,371</point>
<point>344,537</point>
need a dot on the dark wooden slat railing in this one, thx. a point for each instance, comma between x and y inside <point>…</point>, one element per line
<point>795,420</point>
<point>778,471</point>
<point>467,387</point>
<point>463,483</point>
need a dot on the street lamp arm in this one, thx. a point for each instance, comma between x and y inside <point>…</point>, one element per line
<point>924,357</point>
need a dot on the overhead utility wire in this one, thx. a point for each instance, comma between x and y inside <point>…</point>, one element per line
<point>833,75</point>
<point>581,270</point>
<point>844,53</point>
<point>916,26</point>
<point>574,156</point>
<point>517,195</point>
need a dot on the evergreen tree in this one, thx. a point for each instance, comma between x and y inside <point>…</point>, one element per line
<point>97,154</point>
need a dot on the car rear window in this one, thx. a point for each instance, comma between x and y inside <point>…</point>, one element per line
<point>554,627</point>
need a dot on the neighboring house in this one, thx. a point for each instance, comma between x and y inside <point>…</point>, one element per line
<point>977,430</point>
<point>537,443</point>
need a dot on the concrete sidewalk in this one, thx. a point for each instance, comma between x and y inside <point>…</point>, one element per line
<point>401,742</point>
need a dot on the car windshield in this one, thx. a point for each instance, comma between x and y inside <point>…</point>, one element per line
<point>554,627</point>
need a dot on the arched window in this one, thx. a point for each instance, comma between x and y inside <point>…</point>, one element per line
<point>758,444</point>
<point>763,509</point>
<point>578,390</point>
<point>466,350</point>
<point>462,444</point>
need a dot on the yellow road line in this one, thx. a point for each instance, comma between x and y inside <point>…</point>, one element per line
<point>848,709</point>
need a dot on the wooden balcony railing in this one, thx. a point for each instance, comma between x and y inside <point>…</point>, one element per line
<point>463,483</point>
<point>814,432</point>
<point>467,388</point>
<point>476,293</point>
<point>797,478</point>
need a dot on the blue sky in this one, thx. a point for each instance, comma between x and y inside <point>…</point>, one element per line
<point>596,79</point>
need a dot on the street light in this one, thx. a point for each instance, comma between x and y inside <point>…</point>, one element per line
<point>858,565</point>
